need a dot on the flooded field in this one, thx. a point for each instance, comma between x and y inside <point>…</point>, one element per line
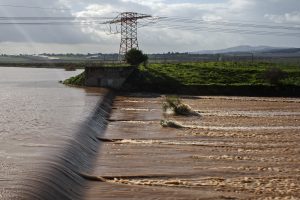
<point>58,142</point>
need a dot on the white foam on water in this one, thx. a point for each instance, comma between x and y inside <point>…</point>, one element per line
<point>138,109</point>
<point>249,113</point>
<point>245,128</point>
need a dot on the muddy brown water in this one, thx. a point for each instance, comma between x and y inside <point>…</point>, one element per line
<point>239,148</point>
<point>40,121</point>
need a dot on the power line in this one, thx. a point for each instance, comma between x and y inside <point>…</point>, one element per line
<point>225,23</point>
<point>180,23</point>
<point>36,21</point>
<point>228,27</point>
<point>167,19</point>
<point>202,28</point>
<point>230,20</point>
<point>32,7</point>
<point>53,18</point>
<point>224,30</point>
<point>53,23</point>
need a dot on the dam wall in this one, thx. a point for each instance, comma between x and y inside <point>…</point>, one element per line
<point>63,176</point>
<point>107,77</point>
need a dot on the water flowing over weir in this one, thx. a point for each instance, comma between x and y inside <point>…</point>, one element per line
<point>62,177</point>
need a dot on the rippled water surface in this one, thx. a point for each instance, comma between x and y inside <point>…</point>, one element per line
<point>38,117</point>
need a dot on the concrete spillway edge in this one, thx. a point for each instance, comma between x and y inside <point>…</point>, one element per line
<point>61,177</point>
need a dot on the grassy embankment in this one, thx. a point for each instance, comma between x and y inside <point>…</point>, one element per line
<point>217,78</point>
<point>75,80</point>
<point>212,78</point>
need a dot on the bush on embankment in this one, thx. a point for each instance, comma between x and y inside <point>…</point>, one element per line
<point>216,78</point>
<point>76,80</point>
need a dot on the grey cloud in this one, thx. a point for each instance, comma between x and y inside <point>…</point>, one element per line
<point>42,33</point>
<point>151,39</point>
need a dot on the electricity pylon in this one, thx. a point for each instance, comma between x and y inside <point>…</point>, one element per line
<point>129,26</point>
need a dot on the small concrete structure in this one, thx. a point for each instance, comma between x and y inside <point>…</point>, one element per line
<point>108,77</point>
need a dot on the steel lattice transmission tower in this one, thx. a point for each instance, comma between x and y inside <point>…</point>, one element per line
<point>129,27</point>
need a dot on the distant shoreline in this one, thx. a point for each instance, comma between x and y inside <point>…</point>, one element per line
<point>44,65</point>
<point>156,79</point>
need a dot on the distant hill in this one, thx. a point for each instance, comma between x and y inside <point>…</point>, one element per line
<point>246,48</point>
<point>286,51</point>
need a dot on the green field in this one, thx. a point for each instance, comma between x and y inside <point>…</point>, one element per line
<point>216,78</point>
<point>215,73</point>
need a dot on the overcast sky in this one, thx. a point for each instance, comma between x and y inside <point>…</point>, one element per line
<point>17,39</point>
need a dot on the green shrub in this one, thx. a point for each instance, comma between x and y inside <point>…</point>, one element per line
<point>76,80</point>
<point>274,75</point>
<point>135,57</point>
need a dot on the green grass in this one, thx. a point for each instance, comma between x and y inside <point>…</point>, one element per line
<point>215,73</point>
<point>211,78</point>
<point>76,80</point>
<point>215,78</point>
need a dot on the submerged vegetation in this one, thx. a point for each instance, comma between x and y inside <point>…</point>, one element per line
<point>170,124</point>
<point>175,105</point>
<point>76,80</point>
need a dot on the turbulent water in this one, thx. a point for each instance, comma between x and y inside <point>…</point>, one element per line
<point>47,133</point>
<point>238,148</point>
